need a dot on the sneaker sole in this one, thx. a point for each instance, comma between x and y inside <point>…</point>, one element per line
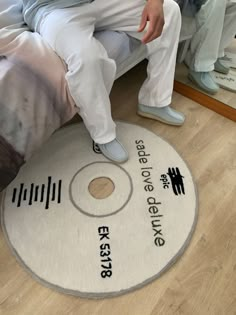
<point>221,71</point>
<point>113,160</point>
<point>147,115</point>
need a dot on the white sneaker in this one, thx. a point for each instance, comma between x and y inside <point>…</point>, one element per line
<point>114,151</point>
<point>221,66</point>
<point>165,114</point>
<point>204,81</point>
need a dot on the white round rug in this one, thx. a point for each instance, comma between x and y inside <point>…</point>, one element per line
<point>78,244</point>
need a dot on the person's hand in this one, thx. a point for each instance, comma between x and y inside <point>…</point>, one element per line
<point>153,12</point>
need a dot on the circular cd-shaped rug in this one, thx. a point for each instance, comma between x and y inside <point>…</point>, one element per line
<point>73,239</point>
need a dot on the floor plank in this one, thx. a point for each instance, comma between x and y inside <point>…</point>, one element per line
<point>203,281</point>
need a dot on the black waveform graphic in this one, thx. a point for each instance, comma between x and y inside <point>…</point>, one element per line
<point>44,193</point>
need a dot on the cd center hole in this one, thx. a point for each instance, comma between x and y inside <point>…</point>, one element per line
<point>101,187</point>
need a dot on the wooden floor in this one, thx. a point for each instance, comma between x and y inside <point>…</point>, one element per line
<point>203,281</point>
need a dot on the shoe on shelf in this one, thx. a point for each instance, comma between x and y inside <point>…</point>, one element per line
<point>221,66</point>
<point>204,81</point>
<point>165,114</point>
<point>114,151</point>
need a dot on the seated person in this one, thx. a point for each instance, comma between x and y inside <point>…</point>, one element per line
<point>68,26</point>
<point>216,28</point>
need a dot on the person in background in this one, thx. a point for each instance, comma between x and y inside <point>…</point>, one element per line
<point>216,28</point>
<point>68,27</point>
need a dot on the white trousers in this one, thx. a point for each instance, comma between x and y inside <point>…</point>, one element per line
<point>216,28</point>
<point>91,73</point>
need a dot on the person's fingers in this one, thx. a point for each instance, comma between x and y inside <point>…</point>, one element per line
<point>148,35</point>
<point>151,31</point>
<point>154,30</point>
<point>143,22</point>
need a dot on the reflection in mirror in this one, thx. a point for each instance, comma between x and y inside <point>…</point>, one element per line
<point>207,58</point>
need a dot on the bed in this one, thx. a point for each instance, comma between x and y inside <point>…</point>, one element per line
<point>34,98</point>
